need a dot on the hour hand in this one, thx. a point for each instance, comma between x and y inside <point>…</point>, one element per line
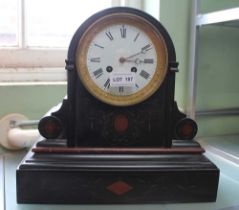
<point>126,60</point>
<point>136,61</point>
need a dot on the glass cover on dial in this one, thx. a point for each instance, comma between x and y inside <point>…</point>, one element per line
<point>121,59</point>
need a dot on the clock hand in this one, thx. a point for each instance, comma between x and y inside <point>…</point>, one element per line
<point>136,61</point>
<point>143,51</point>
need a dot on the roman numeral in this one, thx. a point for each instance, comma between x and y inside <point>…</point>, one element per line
<point>121,89</point>
<point>123,32</point>
<point>144,74</point>
<point>136,37</point>
<point>97,45</point>
<point>136,85</point>
<point>97,73</point>
<point>107,83</point>
<point>148,60</point>
<point>109,35</point>
<point>146,48</point>
<point>97,60</point>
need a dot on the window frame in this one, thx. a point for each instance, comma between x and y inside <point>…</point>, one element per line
<point>17,61</point>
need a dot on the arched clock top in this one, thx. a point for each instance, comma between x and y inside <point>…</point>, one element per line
<point>122,56</point>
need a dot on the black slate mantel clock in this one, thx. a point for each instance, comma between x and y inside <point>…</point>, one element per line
<point>118,136</point>
<point>121,44</point>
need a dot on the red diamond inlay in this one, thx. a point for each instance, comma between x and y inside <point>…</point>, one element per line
<point>119,188</point>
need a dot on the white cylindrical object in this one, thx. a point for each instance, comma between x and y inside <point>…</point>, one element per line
<point>16,138</point>
<point>22,138</point>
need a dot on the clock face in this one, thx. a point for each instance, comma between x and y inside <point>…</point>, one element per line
<point>121,59</point>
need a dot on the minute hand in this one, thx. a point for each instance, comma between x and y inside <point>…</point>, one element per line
<point>143,51</point>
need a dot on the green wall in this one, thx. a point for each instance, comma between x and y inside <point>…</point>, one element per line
<point>31,101</point>
<point>175,16</point>
<point>217,77</point>
<point>214,5</point>
<point>218,72</point>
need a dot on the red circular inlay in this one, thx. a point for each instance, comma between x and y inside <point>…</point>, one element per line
<point>121,123</point>
<point>187,129</point>
<point>51,127</point>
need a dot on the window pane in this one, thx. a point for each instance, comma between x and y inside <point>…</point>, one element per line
<point>9,22</point>
<point>52,23</point>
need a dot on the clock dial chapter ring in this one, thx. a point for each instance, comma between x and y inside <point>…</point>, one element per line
<point>158,43</point>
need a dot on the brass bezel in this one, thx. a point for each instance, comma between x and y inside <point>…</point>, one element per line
<point>156,38</point>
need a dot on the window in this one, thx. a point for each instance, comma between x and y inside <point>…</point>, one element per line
<point>35,35</point>
<point>55,27</point>
<point>9,22</point>
<point>43,23</point>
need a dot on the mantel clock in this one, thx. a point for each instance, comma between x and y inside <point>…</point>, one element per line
<point>121,75</point>
<point>118,136</point>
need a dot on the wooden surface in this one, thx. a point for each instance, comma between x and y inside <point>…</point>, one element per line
<point>117,150</point>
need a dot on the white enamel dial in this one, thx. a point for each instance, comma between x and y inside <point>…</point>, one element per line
<point>121,49</point>
<point>121,59</point>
